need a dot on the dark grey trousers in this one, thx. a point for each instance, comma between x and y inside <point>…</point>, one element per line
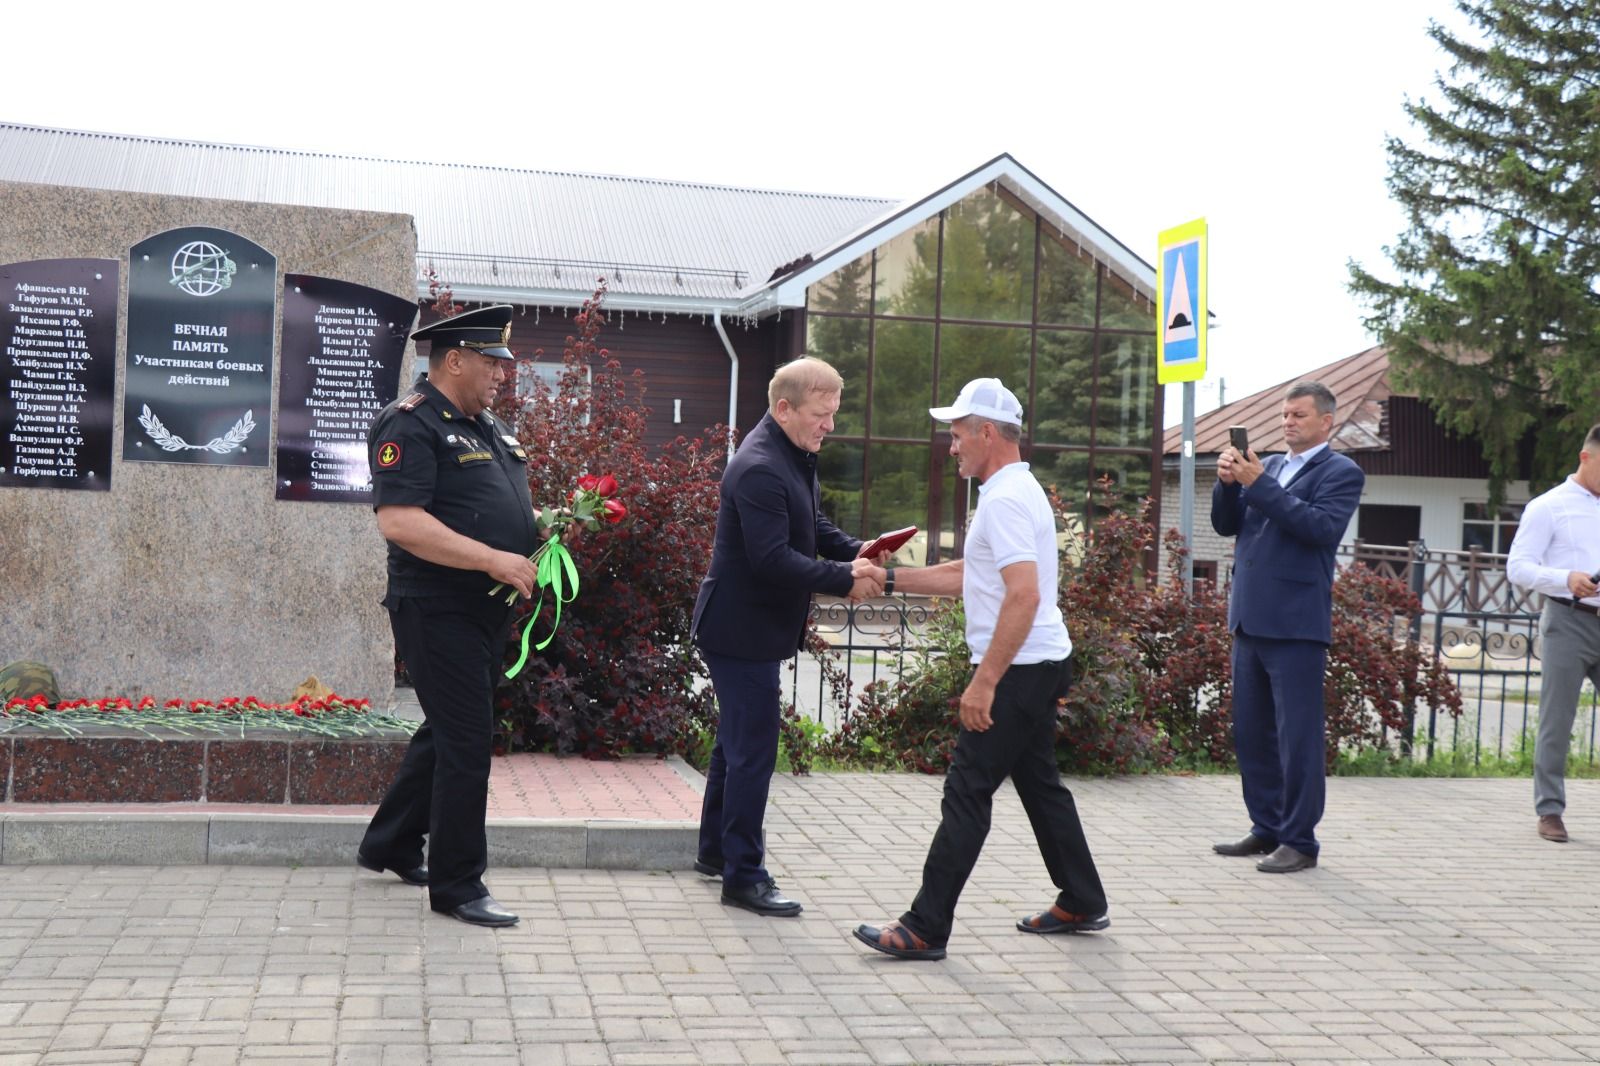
<point>1570,652</point>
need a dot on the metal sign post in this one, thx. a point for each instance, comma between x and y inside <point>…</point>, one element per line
<point>1181,284</point>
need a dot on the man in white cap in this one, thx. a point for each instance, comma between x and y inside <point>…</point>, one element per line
<point>1008,581</point>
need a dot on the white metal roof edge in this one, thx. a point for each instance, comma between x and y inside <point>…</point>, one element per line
<point>418,161</point>
<point>616,301</point>
<point>790,291</point>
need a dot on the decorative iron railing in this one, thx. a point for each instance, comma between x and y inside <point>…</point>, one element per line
<point>1485,628</point>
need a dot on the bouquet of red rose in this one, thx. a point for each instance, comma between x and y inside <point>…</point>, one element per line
<point>593,504</point>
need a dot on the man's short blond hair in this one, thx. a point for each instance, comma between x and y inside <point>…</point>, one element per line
<point>806,376</point>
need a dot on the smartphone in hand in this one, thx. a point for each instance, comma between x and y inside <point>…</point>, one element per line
<point>1239,437</point>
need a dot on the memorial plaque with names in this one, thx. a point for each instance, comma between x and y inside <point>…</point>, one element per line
<point>342,348</point>
<point>58,325</point>
<point>199,365</point>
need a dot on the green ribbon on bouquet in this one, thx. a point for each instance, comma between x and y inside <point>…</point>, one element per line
<point>559,575</point>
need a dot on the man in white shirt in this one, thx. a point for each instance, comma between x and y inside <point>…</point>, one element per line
<point>1019,642</point>
<point>1557,552</point>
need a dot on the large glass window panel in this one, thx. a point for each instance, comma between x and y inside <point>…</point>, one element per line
<point>842,344</point>
<point>899,496</point>
<point>988,260</point>
<point>839,471</point>
<point>1130,479</point>
<point>908,271</point>
<point>967,352</point>
<point>847,290</point>
<point>958,498</point>
<point>902,379</point>
<point>1121,307</point>
<point>1066,474</point>
<point>1125,385</point>
<point>1066,280</point>
<point>1062,381</point>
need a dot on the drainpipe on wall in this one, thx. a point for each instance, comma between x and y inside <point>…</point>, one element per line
<point>733,377</point>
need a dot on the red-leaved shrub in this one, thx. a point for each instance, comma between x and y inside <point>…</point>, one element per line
<point>620,674</point>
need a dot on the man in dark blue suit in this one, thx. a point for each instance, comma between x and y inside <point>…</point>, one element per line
<point>750,615</point>
<point>1289,514</point>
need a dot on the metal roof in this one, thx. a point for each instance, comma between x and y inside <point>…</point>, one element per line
<point>1359,382</point>
<point>788,289</point>
<point>515,234</point>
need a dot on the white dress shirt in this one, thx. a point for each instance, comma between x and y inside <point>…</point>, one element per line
<point>1559,533</point>
<point>1292,463</point>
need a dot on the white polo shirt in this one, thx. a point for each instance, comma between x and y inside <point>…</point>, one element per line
<point>1013,524</point>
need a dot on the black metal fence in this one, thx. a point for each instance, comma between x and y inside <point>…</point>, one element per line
<point>1485,628</point>
<point>867,642</point>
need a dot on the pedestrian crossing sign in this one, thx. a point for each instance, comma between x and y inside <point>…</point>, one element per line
<point>1181,303</point>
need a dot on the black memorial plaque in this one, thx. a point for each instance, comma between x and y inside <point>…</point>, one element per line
<point>58,325</point>
<point>342,348</point>
<point>199,368</point>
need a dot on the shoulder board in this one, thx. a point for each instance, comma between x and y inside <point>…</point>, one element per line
<point>412,402</point>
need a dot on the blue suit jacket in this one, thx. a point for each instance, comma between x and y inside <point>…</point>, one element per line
<point>764,566</point>
<point>1283,559</point>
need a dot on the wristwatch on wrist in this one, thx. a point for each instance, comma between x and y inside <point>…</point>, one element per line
<point>888,581</point>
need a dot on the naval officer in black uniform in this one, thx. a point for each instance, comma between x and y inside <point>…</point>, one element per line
<point>450,486</point>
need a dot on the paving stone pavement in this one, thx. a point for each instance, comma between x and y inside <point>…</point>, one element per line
<point>1439,928</point>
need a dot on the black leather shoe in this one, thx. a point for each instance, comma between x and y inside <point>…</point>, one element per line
<point>483,911</point>
<point>417,875</point>
<point>1286,860</point>
<point>761,898</point>
<point>703,867</point>
<point>1249,844</point>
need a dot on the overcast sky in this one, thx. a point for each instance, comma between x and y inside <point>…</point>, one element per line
<point>1266,118</point>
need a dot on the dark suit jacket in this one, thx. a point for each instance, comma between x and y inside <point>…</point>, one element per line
<point>764,565</point>
<point>1283,559</point>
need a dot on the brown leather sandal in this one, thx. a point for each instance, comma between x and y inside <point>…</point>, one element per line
<point>1056,920</point>
<point>895,939</point>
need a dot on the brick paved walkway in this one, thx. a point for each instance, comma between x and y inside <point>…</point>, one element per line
<point>1438,929</point>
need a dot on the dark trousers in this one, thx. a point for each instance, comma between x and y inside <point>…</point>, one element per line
<point>452,646</point>
<point>1021,743</point>
<point>741,767</point>
<point>1278,734</point>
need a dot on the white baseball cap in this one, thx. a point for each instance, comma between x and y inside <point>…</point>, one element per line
<point>984,397</point>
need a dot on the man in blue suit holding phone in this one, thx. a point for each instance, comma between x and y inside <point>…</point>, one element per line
<point>1289,513</point>
<point>751,614</point>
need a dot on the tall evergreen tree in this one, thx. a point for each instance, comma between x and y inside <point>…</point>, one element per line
<point>1493,316</point>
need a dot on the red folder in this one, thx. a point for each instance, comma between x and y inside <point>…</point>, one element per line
<point>889,542</point>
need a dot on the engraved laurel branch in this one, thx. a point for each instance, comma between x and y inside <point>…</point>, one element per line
<point>168,441</point>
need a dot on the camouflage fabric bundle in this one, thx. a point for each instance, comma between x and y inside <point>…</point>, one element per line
<point>22,680</point>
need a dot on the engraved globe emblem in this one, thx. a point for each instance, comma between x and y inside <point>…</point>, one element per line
<point>200,268</point>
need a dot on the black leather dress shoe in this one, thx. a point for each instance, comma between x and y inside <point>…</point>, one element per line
<point>761,898</point>
<point>417,875</point>
<point>1249,844</point>
<point>1286,860</point>
<point>709,869</point>
<point>483,911</point>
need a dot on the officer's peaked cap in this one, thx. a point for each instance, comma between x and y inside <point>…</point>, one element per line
<point>486,330</point>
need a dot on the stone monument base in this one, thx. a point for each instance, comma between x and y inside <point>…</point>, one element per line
<point>111,765</point>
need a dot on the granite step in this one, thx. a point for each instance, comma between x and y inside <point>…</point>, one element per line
<point>635,813</point>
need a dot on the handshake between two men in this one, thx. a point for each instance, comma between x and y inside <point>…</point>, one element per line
<point>870,569</point>
<point>870,574</point>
